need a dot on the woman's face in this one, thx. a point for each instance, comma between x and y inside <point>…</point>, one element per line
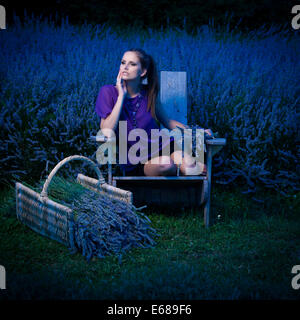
<point>130,67</point>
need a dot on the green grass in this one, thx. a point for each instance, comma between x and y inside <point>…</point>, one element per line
<point>247,254</point>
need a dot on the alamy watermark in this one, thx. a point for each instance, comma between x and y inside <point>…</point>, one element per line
<point>138,150</point>
<point>2,17</point>
<point>296,279</point>
<point>2,278</point>
<point>296,19</point>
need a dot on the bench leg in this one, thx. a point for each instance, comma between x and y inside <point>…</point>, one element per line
<point>207,213</point>
<point>109,174</point>
<point>207,220</point>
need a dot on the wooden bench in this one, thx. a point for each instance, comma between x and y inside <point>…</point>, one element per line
<point>176,191</point>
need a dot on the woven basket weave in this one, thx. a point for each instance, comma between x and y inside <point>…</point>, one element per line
<point>52,219</point>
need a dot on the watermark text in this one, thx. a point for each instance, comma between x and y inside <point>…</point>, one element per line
<point>136,144</point>
<point>296,19</point>
<point>2,278</point>
<point>296,279</point>
<point>2,17</point>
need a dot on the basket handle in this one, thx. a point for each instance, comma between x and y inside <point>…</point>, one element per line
<point>63,162</point>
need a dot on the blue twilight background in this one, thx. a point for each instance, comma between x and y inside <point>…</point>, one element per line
<point>243,85</point>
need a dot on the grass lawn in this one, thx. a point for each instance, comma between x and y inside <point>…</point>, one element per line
<point>247,254</point>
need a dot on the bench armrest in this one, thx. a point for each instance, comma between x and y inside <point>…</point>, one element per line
<point>216,142</point>
<point>101,139</point>
<point>215,145</point>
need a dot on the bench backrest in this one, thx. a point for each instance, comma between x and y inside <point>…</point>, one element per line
<point>173,94</point>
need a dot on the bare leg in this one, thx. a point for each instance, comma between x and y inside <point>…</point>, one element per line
<point>188,166</point>
<point>160,166</point>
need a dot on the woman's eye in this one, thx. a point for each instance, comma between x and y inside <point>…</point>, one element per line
<point>133,64</point>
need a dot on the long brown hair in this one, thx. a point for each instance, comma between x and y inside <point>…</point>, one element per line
<point>147,62</point>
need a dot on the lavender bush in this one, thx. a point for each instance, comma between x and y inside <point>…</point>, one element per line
<point>245,87</point>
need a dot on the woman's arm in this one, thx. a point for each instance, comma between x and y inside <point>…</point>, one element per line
<point>112,120</point>
<point>174,123</point>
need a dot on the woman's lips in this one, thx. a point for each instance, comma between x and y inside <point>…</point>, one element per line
<point>126,73</point>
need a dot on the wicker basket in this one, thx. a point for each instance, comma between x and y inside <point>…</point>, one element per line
<point>52,219</point>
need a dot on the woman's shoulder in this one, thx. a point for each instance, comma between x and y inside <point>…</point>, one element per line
<point>109,88</point>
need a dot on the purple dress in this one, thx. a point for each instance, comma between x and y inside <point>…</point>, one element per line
<point>106,100</point>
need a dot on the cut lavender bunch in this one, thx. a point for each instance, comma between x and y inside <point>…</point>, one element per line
<point>103,226</point>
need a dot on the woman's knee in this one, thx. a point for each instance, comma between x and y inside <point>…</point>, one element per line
<point>167,166</point>
<point>188,165</point>
<point>167,169</point>
<point>161,161</point>
<point>163,165</point>
<point>193,170</point>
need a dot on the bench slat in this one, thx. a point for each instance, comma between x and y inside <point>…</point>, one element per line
<point>161,178</point>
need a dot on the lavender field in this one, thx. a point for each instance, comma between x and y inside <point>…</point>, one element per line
<point>245,87</point>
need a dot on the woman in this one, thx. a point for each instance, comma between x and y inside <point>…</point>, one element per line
<point>132,101</point>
